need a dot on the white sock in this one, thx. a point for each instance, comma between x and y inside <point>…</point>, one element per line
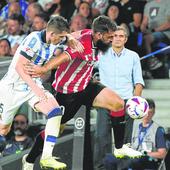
<point>51,133</point>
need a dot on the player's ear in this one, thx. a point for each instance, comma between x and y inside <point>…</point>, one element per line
<point>98,35</point>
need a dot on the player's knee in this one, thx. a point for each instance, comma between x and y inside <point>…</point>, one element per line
<point>58,111</point>
<point>119,105</point>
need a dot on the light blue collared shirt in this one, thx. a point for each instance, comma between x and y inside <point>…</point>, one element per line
<point>120,72</point>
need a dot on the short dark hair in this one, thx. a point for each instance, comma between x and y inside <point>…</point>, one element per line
<point>103,24</point>
<point>58,24</point>
<point>151,103</point>
<point>5,39</point>
<point>17,17</point>
<point>43,16</point>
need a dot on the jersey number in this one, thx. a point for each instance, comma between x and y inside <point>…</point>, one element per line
<point>1,107</point>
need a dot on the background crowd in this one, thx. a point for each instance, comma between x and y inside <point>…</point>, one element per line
<point>147,22</point>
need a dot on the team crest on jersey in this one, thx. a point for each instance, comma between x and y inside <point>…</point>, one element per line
<point>29,51</point>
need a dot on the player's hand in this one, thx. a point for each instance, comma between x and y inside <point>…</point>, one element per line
<point>33,70</point>
<point>75,44</point>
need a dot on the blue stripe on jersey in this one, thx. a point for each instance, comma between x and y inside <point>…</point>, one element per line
<point>32,42</point>
<point>47,52</point>
<point>38,56</point>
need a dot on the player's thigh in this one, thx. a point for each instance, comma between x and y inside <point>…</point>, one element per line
<point>108,99</point>
<point>44,106</point>
<point>9,104</point>
<point>71,102</point>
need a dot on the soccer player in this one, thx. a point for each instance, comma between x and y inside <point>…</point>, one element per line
<point>16,87</point>
<point>73,77</point>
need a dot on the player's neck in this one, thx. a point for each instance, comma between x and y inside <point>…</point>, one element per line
<point>146,123</point>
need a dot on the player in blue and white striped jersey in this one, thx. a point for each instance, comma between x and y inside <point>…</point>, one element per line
<point>17,87</point>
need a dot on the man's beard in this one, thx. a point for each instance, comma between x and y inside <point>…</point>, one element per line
<point>19,132</point>
<point>102,46</point>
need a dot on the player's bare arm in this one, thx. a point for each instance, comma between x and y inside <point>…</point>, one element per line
<point>74,43</point>
<point>37,71</point>
<point>27,78</point>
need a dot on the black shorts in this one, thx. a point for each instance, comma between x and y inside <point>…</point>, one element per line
<point>72,102</point>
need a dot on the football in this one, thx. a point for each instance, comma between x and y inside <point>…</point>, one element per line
<point>137,107</point>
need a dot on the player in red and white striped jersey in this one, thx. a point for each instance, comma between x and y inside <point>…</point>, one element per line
<point>73,76</point>
<point>78,73</point>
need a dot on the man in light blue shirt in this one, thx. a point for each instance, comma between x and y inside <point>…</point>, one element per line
<point>120,70</point>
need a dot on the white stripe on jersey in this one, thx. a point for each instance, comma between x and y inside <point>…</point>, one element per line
<point>82,77</point>
<point>61,75</point>
<point>86,80</point>
<point>72,78</point>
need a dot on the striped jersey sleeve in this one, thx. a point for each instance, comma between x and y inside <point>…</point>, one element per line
<point>86,41</point>
<point>30,45</point>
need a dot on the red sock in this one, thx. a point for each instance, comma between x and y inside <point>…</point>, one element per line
<point>42,133</point>
<point>118,113</point>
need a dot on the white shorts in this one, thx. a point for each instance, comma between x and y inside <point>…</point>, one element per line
<point>13,96</point>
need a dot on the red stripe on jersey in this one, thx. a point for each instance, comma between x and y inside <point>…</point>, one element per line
<point>80,77</point>
<point>75,75</point>
<point>68,77</point>
<point>85,82</point>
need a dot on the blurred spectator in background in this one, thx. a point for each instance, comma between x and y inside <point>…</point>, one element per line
<point>40,22</point>
<point>130,15</point>
<point>112,12</point>
<point>98,6</point>
<point>156,28</point>
<point>59,7</point>
<point>15,32</point>
<point>78,22</point>
<point>85,10</point>
<point>147,137</point>
<point>32,10</point>
<point>67,10</point>
<point>52,7</point>
<point>5,10</point>
<point>14,8</point>
<point>5,47</point>
<point>20,141</point>
<point>46,4</point>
